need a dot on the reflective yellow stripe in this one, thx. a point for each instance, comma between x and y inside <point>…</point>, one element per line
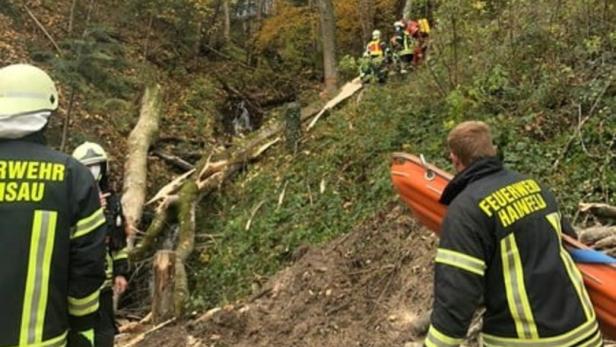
<point>554,219</point>
<point>576,279</point>
<point>83,306</point>
<point>59,341</point>
<point>515,288</point>
<point>572,270</point>
<point>37,281</point>
<point>460,260</point>
<point>88,335</point>
<point>89,223</point>
<point>121,254</point>
<point>108,272</point>
<point>571,338</point>
<point>596,341</point>
<point>436,338</point>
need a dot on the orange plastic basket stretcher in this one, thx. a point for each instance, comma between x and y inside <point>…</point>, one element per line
<point>420,186</point>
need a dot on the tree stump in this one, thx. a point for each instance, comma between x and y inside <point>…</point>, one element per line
<point>163,306</point>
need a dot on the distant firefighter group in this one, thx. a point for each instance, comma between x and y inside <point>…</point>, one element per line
<point>406,48</point>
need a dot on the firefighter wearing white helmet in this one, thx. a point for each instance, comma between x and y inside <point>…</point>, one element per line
<point>28,96</point>
<point>96,159</point>
<point>376,47</point>
<point>52,227</point>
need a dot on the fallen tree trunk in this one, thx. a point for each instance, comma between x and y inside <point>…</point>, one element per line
<point>193,186</point>
<point>598,209</point>
<point>135,169</point>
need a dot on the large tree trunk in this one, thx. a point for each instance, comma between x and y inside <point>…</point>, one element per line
<point>328,35</point>
<point>135,169</point>
<point>227,21</point>
<point>408,8</point>
<point>366,16</point>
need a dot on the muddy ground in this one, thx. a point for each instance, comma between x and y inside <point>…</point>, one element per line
<point>365,288</point>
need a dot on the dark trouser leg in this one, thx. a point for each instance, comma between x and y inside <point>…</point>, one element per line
<point>105,328</point>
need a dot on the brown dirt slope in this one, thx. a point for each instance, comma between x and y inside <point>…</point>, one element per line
<point>362,289</point>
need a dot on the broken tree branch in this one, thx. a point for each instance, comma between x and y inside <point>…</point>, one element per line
<point>135,169</point>
<point>346,92</point>
<point>253,214</point>
<point>40,26</point>
<point>142,336</point>
<point>171,187</point>
<point>174,160</point>
<point>581,123</point>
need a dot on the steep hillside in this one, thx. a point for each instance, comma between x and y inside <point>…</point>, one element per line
<point>365,288</point>
<point>311,247</point>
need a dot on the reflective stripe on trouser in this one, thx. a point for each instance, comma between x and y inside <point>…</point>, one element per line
<point>436,338</point>
<point>108,271</point>
<point>59,341</point>
<point>461,261</point>
<point>572,270</point>
<point>517,299</point>
<point>586,334</point>
<point>83,306</point>
<point>37,281</point>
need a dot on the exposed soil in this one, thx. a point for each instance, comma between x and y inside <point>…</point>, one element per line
<point>365,288</point>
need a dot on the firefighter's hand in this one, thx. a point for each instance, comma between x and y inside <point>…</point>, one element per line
<point>119,285</point>
<point>103,198</point>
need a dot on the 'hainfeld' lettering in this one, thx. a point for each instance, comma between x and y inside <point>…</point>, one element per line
<point>514,202</point>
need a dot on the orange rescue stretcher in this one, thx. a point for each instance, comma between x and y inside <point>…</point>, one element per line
<point>420,186</point>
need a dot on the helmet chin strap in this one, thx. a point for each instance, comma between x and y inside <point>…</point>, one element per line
<point>96,171</point>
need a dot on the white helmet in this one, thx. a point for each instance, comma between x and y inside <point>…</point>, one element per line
<point>94,157</point>
<point>376,35</point>
<point>399,24</point>
<point>27,98</point>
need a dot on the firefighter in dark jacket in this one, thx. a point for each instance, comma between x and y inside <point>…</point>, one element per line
<point>52,227</point>
<point>94,157</point>
<point>501,246</point>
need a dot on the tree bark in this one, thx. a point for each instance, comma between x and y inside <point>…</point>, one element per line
<point>163,307</point>
<point>227,21</point>
<point>71,17</point>
<point>408,8</point>
<point>366,16</point>
<point>189,197</point>
<point>135,169</point>
<point>328,36</point>
<point>599,210</point>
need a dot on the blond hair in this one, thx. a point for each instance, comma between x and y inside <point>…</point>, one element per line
<point>470,141</point>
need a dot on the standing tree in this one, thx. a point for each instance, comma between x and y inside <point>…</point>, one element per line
<point>366,16</point>
<point>328,35</point>
<point>227,21</point>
